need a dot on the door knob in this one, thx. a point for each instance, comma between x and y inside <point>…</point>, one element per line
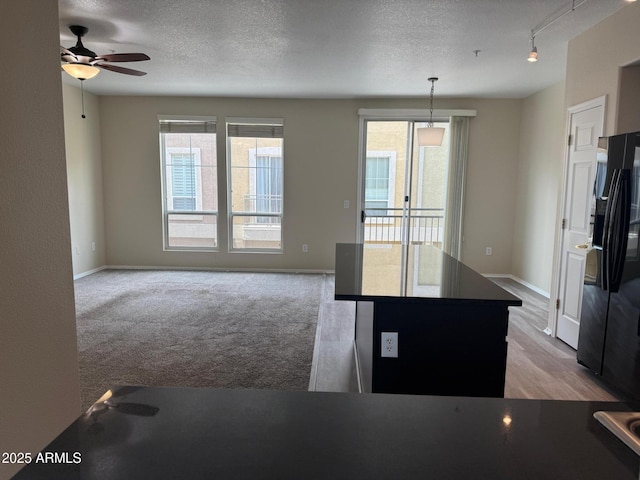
<point>583,246</point>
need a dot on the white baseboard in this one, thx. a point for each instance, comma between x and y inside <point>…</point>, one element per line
<point>220,269</point>
<point>88,272</point>
<point>204,269</point>
<point>520,281</point>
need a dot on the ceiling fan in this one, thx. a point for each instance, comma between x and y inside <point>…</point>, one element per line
<point>82,63</point>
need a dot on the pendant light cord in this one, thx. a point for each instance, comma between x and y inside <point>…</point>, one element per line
<point>431,104</point>
<point>433,83</point>
<point>82,94</point>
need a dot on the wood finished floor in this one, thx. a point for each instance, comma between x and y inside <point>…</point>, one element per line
<point>538,366</point>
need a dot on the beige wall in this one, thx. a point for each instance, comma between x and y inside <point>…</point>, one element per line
<point>319,173</point>
<point>538,182</point>
<point>321,167</point>
<point>594,60</point>
<point>84,177</point>
<point>628,114</point>
<point>490,197</point>
<point>39,391</point>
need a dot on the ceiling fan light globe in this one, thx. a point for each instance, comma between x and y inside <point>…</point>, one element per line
<point>80,70</point>
<point>430,136</point>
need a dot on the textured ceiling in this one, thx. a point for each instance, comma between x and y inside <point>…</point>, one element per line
<point>331,48</point>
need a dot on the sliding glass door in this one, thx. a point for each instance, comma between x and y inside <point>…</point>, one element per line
<point>404,185</point>
<point>404,196</point>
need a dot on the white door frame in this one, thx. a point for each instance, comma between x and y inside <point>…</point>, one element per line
<point>552,326</point>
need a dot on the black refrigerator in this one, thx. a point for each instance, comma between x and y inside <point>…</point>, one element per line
<point>609,338</point>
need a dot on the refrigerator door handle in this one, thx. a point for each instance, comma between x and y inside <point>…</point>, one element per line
<point>606,231</point>
<point>617,228</point>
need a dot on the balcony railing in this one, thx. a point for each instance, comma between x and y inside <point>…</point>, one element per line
<point>263,206</point>
<point>422,225</point>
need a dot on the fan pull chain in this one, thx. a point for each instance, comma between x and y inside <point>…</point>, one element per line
<point>82,92</point>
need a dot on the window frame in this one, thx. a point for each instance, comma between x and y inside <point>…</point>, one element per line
<point>259,124</point>
<point>182,125</point>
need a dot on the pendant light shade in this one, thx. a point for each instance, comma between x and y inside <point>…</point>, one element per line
<point>431,136</point>
<point>80,70</point>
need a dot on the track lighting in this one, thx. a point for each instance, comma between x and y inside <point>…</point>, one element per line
<point>570,7</point>
<point>533,54</point>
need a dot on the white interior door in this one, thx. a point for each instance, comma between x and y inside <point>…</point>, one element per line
<point>585,127</point>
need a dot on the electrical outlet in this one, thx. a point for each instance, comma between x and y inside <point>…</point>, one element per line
<point>305,248</point>
<point>346,204</point>
<point>489,251</point>
<point>389,345</point>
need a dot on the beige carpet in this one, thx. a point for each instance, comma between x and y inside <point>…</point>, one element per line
<point>195,329</point>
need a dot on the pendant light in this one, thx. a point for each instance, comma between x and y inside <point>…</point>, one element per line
<point>431,136</point>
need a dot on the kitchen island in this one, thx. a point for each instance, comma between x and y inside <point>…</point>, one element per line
<point>425,322</point>
<point>191,433</point>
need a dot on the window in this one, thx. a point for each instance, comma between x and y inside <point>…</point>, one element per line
<point>380,179</point>
<point>189,180</point>
<point>266,182</point>
<point>184,192</point>
<point>255,176</point>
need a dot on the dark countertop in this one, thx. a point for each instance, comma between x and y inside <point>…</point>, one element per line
<point>374,273</point>
<point>154,433</point>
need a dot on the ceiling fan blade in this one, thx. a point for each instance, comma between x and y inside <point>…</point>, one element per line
<point>67,55</point>
<point>123,57</point>
<point>115,68</point>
